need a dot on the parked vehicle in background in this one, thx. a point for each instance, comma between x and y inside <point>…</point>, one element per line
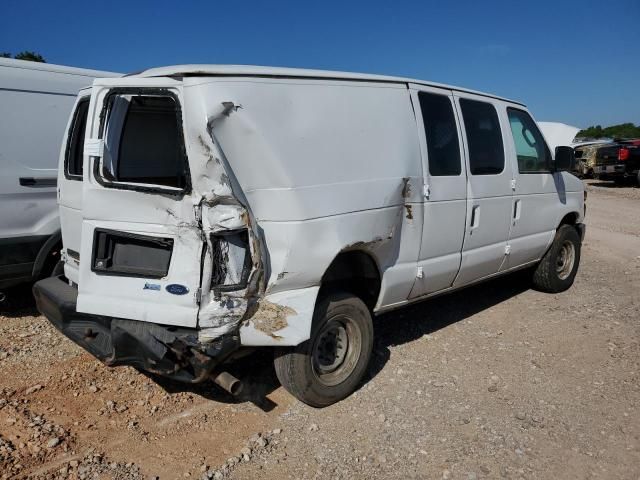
<point>35,102</point>
<point>557,134</point>
<point>217,209</point>
<point>619,161</point>
<point>586,158</point>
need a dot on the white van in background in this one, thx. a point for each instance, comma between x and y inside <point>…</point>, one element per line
<point>217,209</point>
<point>35,102</point>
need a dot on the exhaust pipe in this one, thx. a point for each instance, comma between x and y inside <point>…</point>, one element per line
<point>3,297</point>
<point>228,382</point>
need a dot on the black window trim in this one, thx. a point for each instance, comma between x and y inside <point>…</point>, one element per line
<point>549,156</point>
<point>141,187</point>
<point>70,135</point>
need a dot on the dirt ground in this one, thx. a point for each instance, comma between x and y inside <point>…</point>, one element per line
<point>495,381</point>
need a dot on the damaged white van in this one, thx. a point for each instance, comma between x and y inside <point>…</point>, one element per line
<point>208,210</point>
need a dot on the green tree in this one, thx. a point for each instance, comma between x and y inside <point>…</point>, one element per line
<point>5,55</point>
<point>30,56</point>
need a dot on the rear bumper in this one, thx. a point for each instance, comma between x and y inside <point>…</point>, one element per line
<point>172,352</point>
<point>616,170</point>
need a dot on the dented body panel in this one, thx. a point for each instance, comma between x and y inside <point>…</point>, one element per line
<point>276,175</point>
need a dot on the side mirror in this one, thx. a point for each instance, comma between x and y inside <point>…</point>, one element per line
<point>565,159</point>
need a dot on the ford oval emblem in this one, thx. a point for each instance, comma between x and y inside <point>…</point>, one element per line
<point>177,289</point>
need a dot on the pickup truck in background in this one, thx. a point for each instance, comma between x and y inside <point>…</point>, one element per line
<point>618,161</point>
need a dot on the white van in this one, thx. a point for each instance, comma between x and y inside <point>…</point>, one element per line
<point>35,102</point>
<point>222,208</point>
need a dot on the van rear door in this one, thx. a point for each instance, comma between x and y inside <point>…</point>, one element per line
<point>141,241</point>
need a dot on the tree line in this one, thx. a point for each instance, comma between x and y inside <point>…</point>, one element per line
<point>622,130</point>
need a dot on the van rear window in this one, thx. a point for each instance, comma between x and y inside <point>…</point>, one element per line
<point>144,142</point>
<point>75,141</point>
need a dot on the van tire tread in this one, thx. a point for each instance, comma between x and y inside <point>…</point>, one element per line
<point>545,277</point>
<point>292,365</point>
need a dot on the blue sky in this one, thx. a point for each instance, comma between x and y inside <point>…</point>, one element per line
<point>571,61</point>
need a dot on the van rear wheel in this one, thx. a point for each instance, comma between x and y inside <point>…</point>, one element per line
<point>330,365</point>
<point>557,270</point>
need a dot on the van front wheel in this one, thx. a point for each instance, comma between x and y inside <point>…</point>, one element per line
<point>557,270</point>
<point>330,365</point>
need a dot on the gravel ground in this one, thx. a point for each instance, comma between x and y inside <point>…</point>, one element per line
<point>496,381</point>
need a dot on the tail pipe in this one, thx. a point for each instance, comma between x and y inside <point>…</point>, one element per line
<point>3,297</point>
<point>228,382</point>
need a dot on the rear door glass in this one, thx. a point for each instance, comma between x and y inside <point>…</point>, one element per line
<point>144,141</point>
<point>484,139</point>
<point>441,134</point>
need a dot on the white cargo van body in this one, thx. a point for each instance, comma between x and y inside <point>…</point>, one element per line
<point>224,207</point>
<point>35,102</point>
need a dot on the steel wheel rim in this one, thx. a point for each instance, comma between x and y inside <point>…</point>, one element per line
<point>336,350</point>
<point>565,260</point>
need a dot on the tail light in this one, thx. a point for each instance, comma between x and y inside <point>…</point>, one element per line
<point>623,154</point>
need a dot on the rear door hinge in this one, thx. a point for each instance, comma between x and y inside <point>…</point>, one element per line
<point>198,295</point>
<point>419,273</point>
<point>507,249</point>
<point>426,191</point>
<point>93,147</point>
<point>513,184</point>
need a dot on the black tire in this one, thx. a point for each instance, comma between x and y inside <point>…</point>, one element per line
<point>342,332</point>
<point>557,270</point>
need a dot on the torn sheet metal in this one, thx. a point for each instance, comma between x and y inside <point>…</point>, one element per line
<point>222,209</point>
<point>280,319</point>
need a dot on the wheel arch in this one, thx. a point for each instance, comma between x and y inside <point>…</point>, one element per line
<point>52,245</point>
<point>570,218</point>
<point>356,272</point>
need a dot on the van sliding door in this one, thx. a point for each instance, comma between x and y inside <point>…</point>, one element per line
<point>489,187</point>
<point>445,190</point>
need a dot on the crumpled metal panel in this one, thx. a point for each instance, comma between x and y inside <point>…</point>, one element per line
<point>310,172</point>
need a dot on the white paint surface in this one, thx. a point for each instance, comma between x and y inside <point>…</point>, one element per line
<point>312,165</point>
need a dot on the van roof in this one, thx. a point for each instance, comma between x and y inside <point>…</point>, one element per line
<point>50,67</point>
<point>207,70</point>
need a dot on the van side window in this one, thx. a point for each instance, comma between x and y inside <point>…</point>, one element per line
<point>441,133</point>
<point>143,141</point>
<point>75,142</point>
<point>486,151</point>
<point>531,149</point>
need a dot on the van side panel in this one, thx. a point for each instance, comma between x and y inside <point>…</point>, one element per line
<point>325,166</point>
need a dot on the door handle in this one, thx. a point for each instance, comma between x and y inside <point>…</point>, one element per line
<point>517,209</point>
<point>475,217</point>
<point>38,181</point>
